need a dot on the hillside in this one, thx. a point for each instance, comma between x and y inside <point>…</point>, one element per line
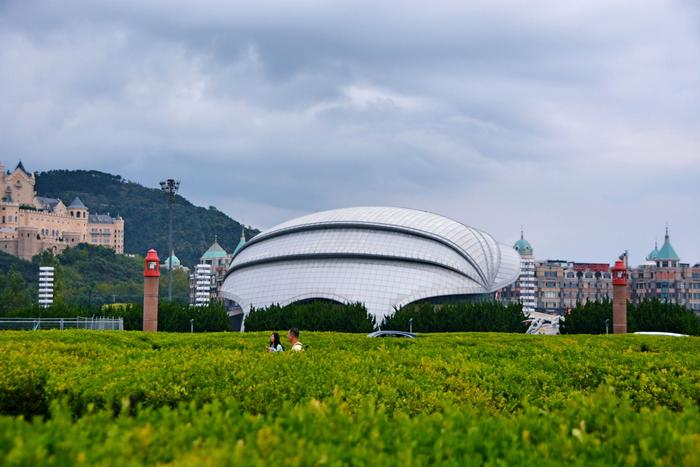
<point>85,275</point>
<point>145,213</point>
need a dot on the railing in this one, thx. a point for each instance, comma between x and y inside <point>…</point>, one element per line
<point>37,324</point>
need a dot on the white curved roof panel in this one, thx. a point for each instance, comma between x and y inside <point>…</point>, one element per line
<point>383,257</point>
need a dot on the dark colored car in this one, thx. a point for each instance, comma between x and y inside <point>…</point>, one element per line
<point>409,335</point>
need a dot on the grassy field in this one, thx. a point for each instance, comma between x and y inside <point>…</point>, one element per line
<point>128,398</point>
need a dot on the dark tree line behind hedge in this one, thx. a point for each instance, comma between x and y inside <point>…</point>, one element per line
<point>172,317</point>
<point>312,316</point>
<point>458,317</point>
<point>175,317</point>
<point>651,315</point>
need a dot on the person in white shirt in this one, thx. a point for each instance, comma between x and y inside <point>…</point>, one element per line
<point>275,344</point>
<point>293,338</point>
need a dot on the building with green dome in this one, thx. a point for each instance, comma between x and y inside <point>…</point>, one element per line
<point>212,268</point>
<point>525,287</point>
<point>665,277</point>
<point>177,264</point>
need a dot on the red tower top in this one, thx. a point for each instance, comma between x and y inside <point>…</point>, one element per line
<point>151,265</point>
<point>619,273</point>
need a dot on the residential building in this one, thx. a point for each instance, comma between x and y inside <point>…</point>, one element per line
<point>525,287</point>
<point>664,277</point>
<point>560,285</point>
<point>555,286</point>
<point>218,260</point>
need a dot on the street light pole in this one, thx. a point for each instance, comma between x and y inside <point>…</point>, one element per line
<point>170,187</point>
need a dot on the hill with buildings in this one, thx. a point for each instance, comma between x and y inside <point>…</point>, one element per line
<point>145,213</point>
<point>85,275</point>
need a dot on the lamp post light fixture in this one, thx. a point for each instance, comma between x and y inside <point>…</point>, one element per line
<point>170,187</point>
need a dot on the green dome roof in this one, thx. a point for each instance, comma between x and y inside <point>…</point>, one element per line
<point>522,246</point>
<point>241,242</point>
<point>176,261</point>
<point>215,251</point>
<point>667,252</point>
<point>654,254</point>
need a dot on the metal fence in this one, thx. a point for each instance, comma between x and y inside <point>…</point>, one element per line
<point>35,324</point>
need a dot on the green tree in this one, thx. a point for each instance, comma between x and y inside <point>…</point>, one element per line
<point>16,294</point>
<point>316,315</point>
<point>486,316</point>
<point>145,213</point>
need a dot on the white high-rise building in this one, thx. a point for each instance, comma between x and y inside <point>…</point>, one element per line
<point>46,286</point>
<point>526,284</point>
<point>203,287</point>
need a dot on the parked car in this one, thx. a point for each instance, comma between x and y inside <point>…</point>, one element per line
<point>409,335</point>
<point>659,333</point>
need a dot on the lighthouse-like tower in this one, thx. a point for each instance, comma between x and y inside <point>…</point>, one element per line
<point>151,276</point>
<point>619,273</point>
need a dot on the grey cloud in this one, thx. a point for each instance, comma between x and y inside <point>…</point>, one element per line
<point>496,115</point>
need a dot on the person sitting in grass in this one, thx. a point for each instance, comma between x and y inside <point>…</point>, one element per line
<point>293,338</point>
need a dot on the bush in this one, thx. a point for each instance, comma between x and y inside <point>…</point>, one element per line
<point>458,317</point>
<point>172,317</point>
<point>175,317</point>
<point>588,319</point>
<point>131,398</point>
<point>650,315</point>
<point>312,316</point>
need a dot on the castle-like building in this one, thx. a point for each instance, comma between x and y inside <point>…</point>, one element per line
<point>31,224</point>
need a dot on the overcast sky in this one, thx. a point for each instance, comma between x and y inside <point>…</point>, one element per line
<point>579,120</point>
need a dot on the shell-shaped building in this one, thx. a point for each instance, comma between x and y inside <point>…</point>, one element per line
<point>384,257</point>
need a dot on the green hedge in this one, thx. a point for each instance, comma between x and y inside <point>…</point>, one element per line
<point>131,398</point>
<point>458,317</point>
<point>175,317</point>
<point>651,315</point>
<point>172,317</point>
<point>312,316</point>
<point>597,430</point>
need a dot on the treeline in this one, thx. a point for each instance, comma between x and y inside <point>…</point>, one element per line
<point>650,315</point>
<point>176,317</point>
<point>316,315</point>
<point>327,316</point>
<point>172,317</point>
<point>145,213</point>
<point>85,275</point>
<point>458,317</point>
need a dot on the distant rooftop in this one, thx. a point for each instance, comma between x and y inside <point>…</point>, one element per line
<point>667,252</point>
<point>77,203</point>
<point>100,219</point>
<point>214,251</point>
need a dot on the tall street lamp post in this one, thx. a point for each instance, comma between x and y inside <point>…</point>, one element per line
<point>170,187</point>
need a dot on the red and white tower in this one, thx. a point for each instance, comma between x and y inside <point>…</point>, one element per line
<point>619,280</point>
<point>151,276</point>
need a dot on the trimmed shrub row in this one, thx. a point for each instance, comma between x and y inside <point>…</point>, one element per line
<point>651,315</point>
<point>312,316</point>
<point>458,317</point>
